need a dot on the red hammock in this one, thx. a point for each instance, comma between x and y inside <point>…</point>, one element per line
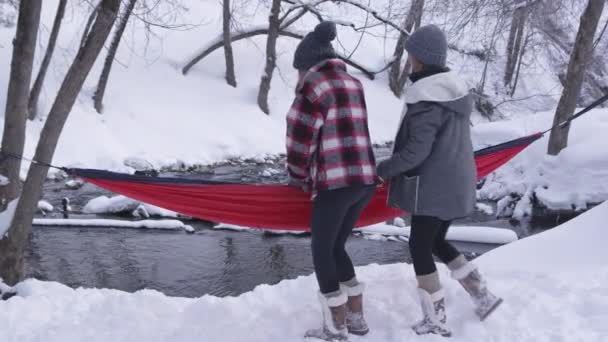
<point>277,207</point>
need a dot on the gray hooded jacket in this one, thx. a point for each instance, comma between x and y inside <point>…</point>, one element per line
<point>432,170</point>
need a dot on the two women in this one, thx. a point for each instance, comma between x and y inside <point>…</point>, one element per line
<point>431,175</point>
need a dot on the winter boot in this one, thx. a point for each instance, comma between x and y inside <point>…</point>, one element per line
<point>6,292</point>
<point>355,320</point>
<point>433,309</point>
<point>334,311</point>
<point>471,280</point>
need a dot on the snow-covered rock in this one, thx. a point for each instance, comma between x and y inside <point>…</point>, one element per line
<point>45,207</point>
<point>122,204</point>
<point>74,184</point>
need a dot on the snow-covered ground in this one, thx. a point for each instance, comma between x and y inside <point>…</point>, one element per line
<point>554,286</point>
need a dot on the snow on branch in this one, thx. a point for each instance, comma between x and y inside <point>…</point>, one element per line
<point>143,224</point>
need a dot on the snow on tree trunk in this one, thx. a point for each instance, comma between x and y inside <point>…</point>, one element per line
<point>15,116</point>
<point>107,66</point>
<point>12,246</point>
<point>90,21</point>
<point>230,74</point>
<point>579,61</point>
<point>271,55</point>
<point>397,76</point>
<point>37,88</point>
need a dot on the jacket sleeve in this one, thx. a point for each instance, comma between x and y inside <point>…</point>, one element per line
<point>422,128</point>
<point>304,122</point>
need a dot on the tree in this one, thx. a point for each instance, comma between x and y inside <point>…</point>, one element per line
<point>12,245</point>
<point>515,41</point>
<point>230,75</point>
<point>15,117</point>
<point>107,66</point>
<point>271,55</point>
<point>397,76</point>
<point>579,60</point>
<point>48,55</point>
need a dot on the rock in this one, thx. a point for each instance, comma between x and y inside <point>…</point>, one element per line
<point>74,184</point>
<point>45,207</point>
<point>138,164</point>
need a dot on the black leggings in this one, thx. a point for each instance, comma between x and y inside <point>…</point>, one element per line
<point>334,215</point>
<point>427,238</point>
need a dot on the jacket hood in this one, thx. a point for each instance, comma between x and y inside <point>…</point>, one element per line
<point>446,88</point>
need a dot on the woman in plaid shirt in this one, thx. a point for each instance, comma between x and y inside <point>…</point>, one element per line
<point>329,153</point>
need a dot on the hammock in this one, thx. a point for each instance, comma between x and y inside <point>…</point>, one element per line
<point>274,207</point>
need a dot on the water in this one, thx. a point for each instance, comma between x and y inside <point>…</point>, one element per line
<point>211,261</point>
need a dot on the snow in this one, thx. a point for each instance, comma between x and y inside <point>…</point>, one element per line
<point>45,206</point>
<point>455,233</point>
<point>122,204</point>
<point>385,232</point>
<point>6,217</point>
<point>143,224</point>
<point>485,208</point>
<point>553,284</point>
<point>575,178</point>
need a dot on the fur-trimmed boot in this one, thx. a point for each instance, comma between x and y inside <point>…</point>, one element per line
<point>467,274</point>
<point>6,291</point>
<point>333,307</point>
<point>355,320</point>
<point>433,309</point>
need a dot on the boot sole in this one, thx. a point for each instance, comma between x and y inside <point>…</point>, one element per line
<point>358,332</point>
<point>446,334</point>
<point>491,311</point>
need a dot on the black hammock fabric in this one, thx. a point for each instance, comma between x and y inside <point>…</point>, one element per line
<point>274,207</point>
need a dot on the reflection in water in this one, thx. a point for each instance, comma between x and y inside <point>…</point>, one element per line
<point>209,262</point>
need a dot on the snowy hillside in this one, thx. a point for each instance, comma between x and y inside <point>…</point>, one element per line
<point>554,286</point>
<point>154,112</point>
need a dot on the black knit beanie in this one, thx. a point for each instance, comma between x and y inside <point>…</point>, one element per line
<point>316,46</point>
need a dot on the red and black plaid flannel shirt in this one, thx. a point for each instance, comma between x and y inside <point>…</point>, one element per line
<point>328,142</point>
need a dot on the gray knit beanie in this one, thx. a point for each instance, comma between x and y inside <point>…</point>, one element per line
<point>316,46</point>
<point>429,45</point>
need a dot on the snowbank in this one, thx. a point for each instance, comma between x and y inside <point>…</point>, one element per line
<point>143,224</point>
<point>456,233</point>
<point>575,178</point>
<point>550,295</point>
<point>122,204</point>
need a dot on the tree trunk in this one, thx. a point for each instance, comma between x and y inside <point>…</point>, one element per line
<point>230,74</point>
<point>12,246</point>
<point>107,66</point>
<point>90,21</point>
<point>579,60</point>
<point>271,55</point>
<point>48,55</point>
<point>15,116</point>
<point>397,76</point>
<point>514,43</point>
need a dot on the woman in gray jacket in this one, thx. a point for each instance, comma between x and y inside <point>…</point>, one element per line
<point>432,176</point>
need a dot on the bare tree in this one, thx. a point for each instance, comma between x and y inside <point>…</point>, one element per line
<point>13,245</point>
<point>15,116</point>
<point>230,74</point>
<point>46,61</point>
<point>90,20</point>
<point>397,76</point>
<point>271,55</point>
<point>579,61</point>
<point>515,41</point>
<point>107,66</point>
